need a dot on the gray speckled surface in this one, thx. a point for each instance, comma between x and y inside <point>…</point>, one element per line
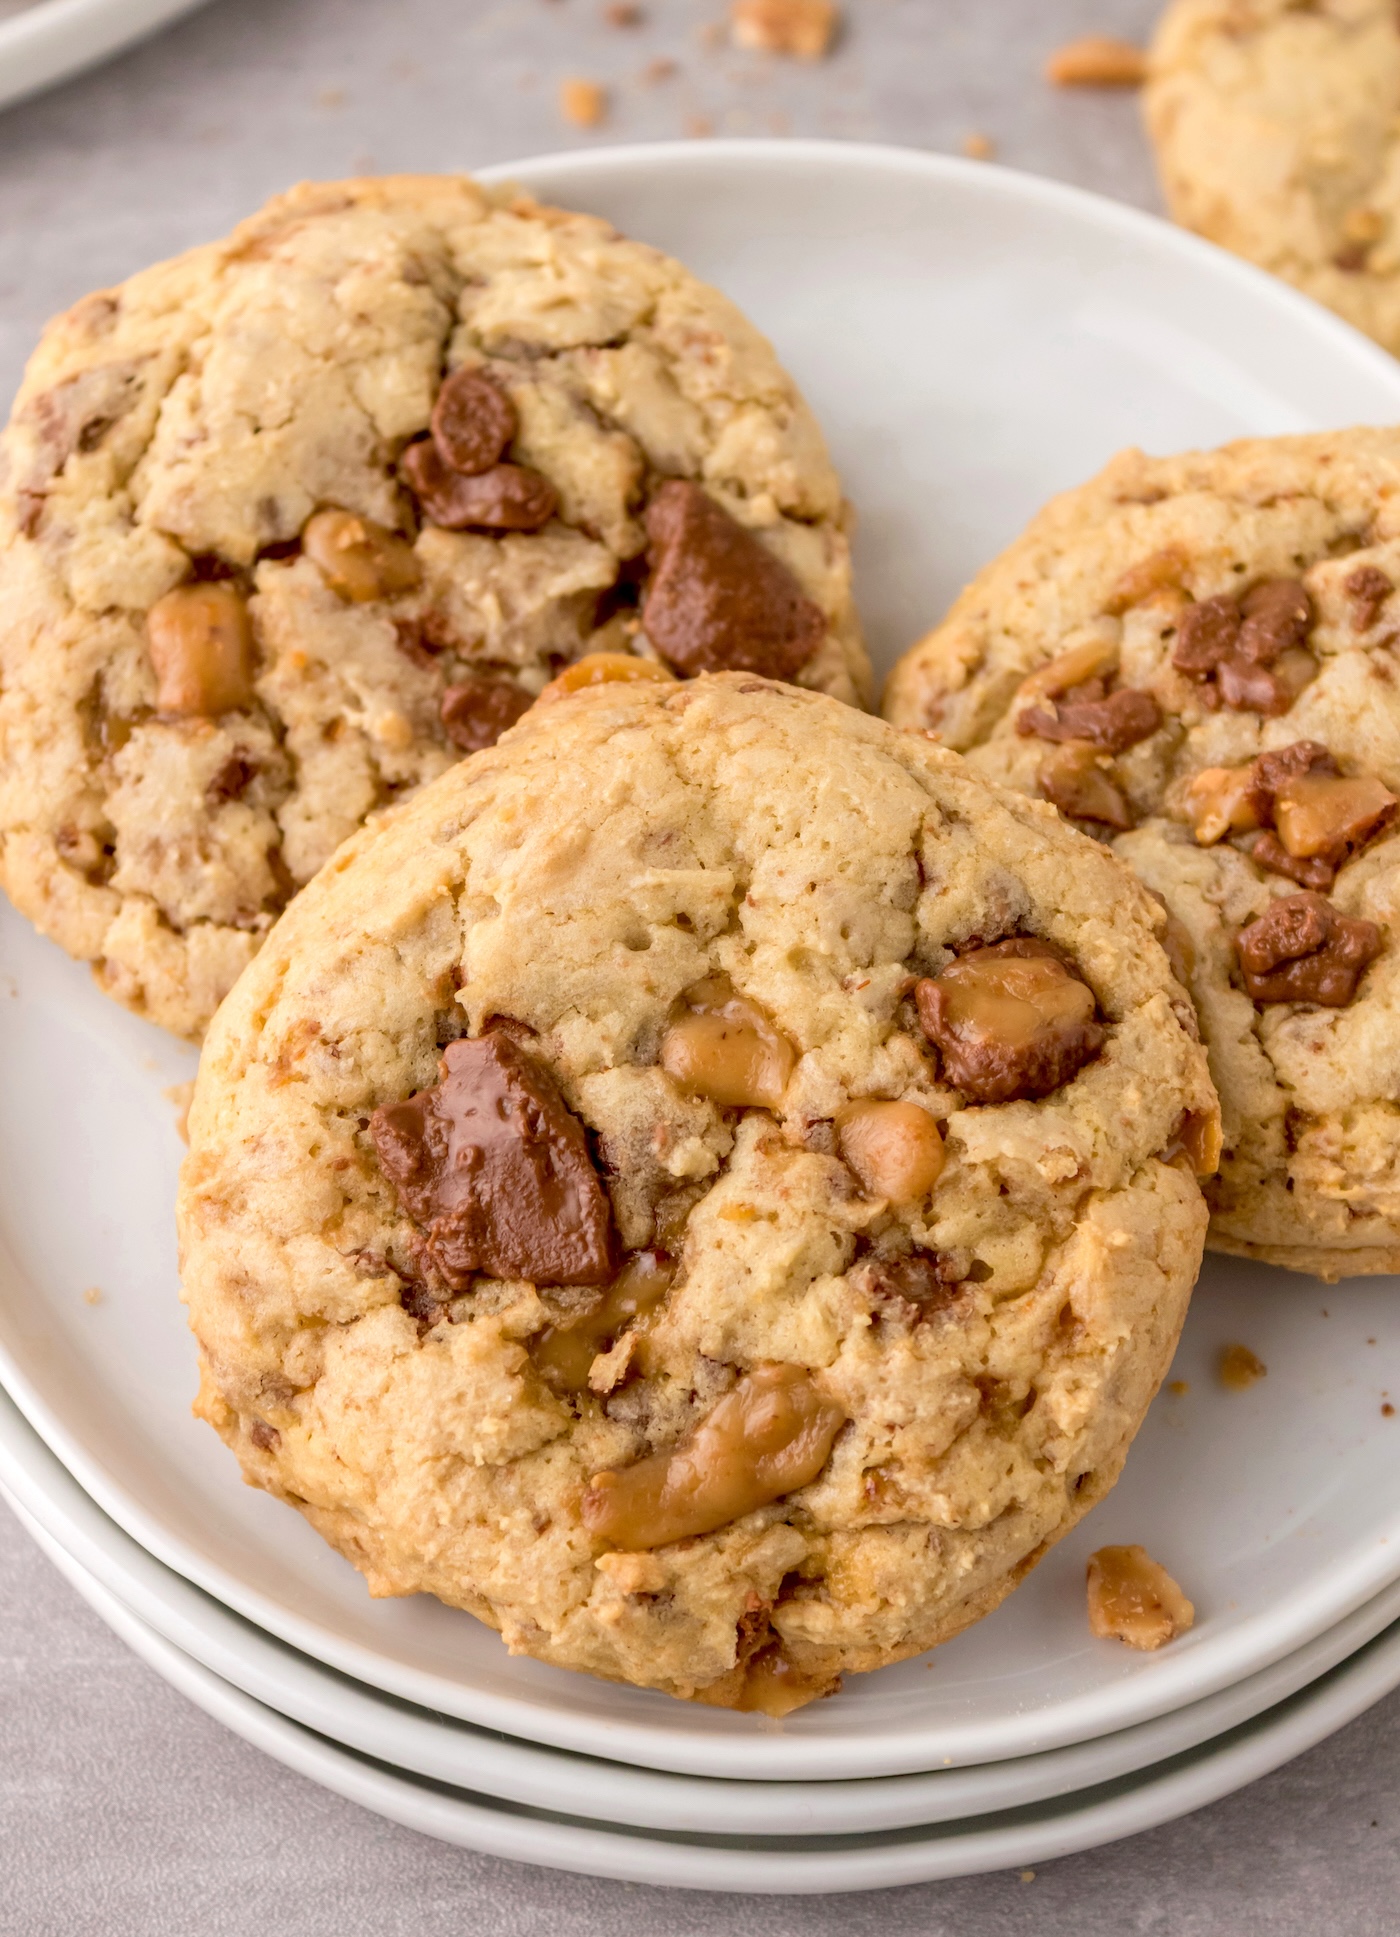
<point>123,1811</point>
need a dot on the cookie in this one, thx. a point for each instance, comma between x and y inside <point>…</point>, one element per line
<point>1195,658</point>
<point>701,1186</point>
<point>291,523</point>
<point>1277,133</point>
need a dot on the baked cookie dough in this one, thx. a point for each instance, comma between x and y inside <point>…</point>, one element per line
<point>701,1186</point>
<point>1277,133</point>
<point>1195,658</point>
<point>290,523</point>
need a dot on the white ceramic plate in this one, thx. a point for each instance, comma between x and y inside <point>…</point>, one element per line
<point>53,39</point>
<point>786,1865</point>
<point>973,340</point>
<point>60,1515</point>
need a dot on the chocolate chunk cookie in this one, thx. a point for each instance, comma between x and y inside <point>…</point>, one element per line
<point>291,523</point>
<point>1195,658</point>
<point>703,1186</point>
<point>1277,131</point>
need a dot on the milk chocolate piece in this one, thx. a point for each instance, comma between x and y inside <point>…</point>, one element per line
<point>719,601</point>
<point>495,1170</point>
<point>1010,1021</point>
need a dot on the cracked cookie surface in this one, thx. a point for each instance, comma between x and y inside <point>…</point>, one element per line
<point>289,523</point>
<point>1238,609</point>
<point>847,1347</point>
<point>1277,133</point>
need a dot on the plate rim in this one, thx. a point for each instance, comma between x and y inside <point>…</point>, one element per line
<point>56,40</point>
<point>1095,1713</point>
<point>55,1511</point>
<point>1069,1826</point>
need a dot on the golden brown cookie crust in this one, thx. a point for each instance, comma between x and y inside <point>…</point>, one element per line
<point>1311,1176</point>
<point>614,851</point>
<point>187,425</point>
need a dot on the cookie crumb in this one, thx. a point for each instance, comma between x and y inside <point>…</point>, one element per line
<point>1097,60</point>
<point>699,126</point>
<point>622,13</point>
<point>1135,1600</point>
<point>181,1095</point>
<point>1387,1410</point>
<point>1027,1876</point>
<point>93,1295</point>
<point>658,70</point>
<point>1179,1388</point>
<point>584,104</point>
<point>330,97</point>
<point>802,28</point>
<point>978,147</point>
<point>1240,1368</point>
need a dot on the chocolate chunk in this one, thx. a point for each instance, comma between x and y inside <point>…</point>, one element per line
<point>1277,614</point>
<point>266,1438</point>
<point>233,779</point>
<point>506,498</point>
<point>1010,1021</point>
<point>1251,688</point>
<point>494,1168</point>
<point>719,601</point>
<point>1268,850</point>
<point>1206,635</point>
<point>477,712</point>
<point>1114,723</point>
<point>1368,588</point>
<point>1303,950</point>
<point>473,421</point>
<point>913,1288</point>
<point>1274,770</point>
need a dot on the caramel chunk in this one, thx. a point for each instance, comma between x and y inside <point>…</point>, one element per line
<point>1302,950</point>
<point>476,712</point>
<point>494,1168</point>
<point>508,497</point>
<point>1327,816</point>
<point>1010,1021</point>
<point>1097,60</point>
<point>1134,1600</point>
<point>201,645</point>
<point>1160,571</point>
<point>1080,781</point>
<point>357,558</point>
<point>1200,1139</point>
<point>473,421</point>
<point>1221,801</point>
<point>895,1149</point>
<point>1240,1368</point>
<point>564,1354</point>
<point>1086,660</point>
<point>1368,588</point>
<point>771,1435</point>
<point>719,601</point>
<point>725,1048</point>
<point>774,1685</point>
<point>1113,724</point>
<point>803,28</point>
<point>601,669</point>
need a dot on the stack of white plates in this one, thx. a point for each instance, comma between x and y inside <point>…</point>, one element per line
<point>973,341</point>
